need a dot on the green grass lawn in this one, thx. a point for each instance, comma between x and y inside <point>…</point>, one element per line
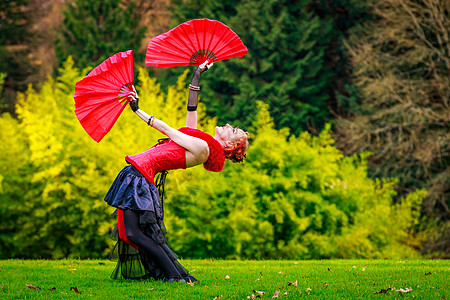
<point>223,279</point>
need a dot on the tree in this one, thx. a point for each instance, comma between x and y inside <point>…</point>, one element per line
<point>284,67</point>
<point>15,50</point>
<point>346,16</point>
<point>94,30</point>
<point>401,69</point>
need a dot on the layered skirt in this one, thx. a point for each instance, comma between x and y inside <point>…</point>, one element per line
<point>131,190</point>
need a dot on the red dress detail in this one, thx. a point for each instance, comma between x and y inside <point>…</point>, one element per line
<point>122,231</point>
<point>171,156</point>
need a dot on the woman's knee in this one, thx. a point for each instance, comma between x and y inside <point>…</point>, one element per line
<point>133,236</point>
<point>131,222</point>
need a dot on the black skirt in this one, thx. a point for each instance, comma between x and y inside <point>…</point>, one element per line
<point>131,190</point>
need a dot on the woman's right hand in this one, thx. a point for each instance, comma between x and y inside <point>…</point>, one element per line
<point>134,102</point>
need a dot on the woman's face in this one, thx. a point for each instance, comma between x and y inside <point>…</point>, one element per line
<point>228,134</point>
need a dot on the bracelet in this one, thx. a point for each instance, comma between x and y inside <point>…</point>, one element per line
<point>192,107</point>
<point>150,121</point>
<point>194,88</point>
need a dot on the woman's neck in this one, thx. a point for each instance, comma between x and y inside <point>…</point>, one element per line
<point>217,138</point>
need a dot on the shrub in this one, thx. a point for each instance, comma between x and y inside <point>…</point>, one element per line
<point>294,197</point>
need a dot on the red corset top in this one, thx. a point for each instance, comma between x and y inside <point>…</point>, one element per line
<point>167,156</point>
<point>171,156</point>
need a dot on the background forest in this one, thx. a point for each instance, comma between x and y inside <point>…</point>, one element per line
<point>347,103</point>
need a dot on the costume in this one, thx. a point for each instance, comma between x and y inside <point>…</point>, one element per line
<point>134,189</point>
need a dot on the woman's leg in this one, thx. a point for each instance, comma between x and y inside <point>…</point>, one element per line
<point>135,235</point>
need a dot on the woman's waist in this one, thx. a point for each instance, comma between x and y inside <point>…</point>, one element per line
<point>133,171</point>
<point>153,165</point>
<point>149,170</point>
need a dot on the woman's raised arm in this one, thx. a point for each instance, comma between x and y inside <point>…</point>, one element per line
<point>194,88</point>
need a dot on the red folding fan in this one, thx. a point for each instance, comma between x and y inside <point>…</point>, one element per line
<point>103,94</point>
<point>194,42</point>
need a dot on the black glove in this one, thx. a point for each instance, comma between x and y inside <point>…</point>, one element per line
<point>134,102</point>
<point>193,94</point>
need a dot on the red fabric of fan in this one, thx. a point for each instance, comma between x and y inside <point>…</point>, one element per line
<point>103,94</point>
<point>194,42</point>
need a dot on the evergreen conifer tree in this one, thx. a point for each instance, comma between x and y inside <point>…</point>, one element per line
<point>94,30</point>
<point>284,67</point>
<point>347,17</point>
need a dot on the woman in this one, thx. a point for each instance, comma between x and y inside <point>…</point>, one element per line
<point>142,248</point>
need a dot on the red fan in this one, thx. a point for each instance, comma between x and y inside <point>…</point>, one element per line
<point>194,42</point>
<point>103,94</point>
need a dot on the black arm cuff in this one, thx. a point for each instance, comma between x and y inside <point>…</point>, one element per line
<point>192,108</point>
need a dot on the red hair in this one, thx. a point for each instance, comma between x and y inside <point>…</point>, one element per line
<point>237,152</point>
